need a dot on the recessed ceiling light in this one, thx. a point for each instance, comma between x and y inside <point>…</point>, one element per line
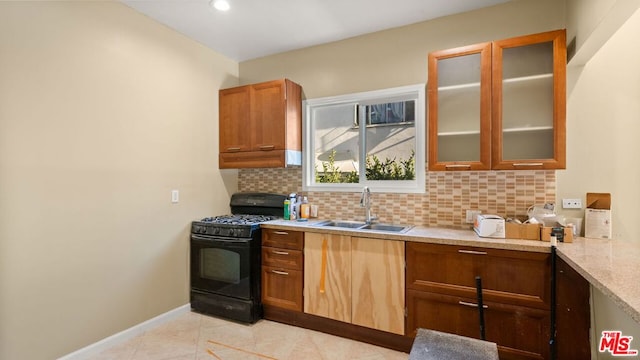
<point>222,5</point>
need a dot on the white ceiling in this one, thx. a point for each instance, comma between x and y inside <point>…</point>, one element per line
<point>256,28</point>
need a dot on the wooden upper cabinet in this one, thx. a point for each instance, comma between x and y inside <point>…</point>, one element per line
<point>499,105</point>
<point>261,125</point>
<point>459,93</point>
<point>529,102</point>
<point>234,119</point>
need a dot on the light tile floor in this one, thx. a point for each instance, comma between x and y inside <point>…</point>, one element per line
<point>194,336</point>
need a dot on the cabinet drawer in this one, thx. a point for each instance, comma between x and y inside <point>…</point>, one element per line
<point>508,276</point>
<point>520,332</point>
<point>282,288</point>
<point>282,258</point>
<point>285,239</point>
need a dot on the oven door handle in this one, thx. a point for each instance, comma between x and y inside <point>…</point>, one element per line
<point>217,239</point>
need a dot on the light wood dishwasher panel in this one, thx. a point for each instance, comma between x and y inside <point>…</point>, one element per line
<point>335,301</point>
<point>377,279</point>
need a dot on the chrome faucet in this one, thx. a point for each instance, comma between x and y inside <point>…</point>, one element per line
<point>365,202</point>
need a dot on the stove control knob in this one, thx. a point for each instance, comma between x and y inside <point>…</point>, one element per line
<point>216,231</point>
<point>232,232</point>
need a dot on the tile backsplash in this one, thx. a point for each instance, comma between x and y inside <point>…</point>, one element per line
<point>448,195</point>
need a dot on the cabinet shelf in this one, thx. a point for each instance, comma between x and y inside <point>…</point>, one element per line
<point>460,86</point>
<point>527,129</point>
<point>504,81</point>
<point>459,133</point>
<point>528,78</point>
<point>511,130</point>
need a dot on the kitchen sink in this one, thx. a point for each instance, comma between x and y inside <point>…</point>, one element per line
<point>343,224</point>
<point>385,227</point>
<point>367,227</point>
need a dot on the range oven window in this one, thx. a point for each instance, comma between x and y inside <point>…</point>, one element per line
<point>223,265</point>
<point>220,265</point>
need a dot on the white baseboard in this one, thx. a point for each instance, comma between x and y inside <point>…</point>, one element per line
<point>115,339</point>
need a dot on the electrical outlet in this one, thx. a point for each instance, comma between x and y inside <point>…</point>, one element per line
<point>471,216</point>
<point>571,203</point>
<point>175,196</point>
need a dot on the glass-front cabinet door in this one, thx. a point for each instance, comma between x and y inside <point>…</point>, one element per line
<point>528,102</point>
<point>459,103</point>
<point>499,105</point>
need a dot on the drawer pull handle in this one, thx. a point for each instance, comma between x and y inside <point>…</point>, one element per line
<point>233,149</point>
<point>279,272</point>
<point>472,252</point>
<point>457,166</point>
<point>464,303</point>
<point>267,147</point>
<point>280,252</point>
<point>281,233</point>
<point>527,164</point>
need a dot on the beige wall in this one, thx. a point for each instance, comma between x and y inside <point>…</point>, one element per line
<point>602,140</point>
<point>602,127</point>
<point>102,113</point>
<point>399,56</point>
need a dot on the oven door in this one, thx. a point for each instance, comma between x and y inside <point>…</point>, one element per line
<point>221,265</point>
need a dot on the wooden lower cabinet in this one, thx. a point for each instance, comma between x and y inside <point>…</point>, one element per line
<point>282,269</point>
<point>520,332</point>
<point>508,276</point>
<point>377,284</point>
<point>573,313</point>
<point>327,276</point>
<point>282,288</point>
<point>516,286</point>
<point>355,280</point>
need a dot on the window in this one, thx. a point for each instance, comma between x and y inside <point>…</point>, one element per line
<point>400,112</point>
<point>387,154</point>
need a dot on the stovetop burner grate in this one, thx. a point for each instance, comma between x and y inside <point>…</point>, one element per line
<point>238,219</point>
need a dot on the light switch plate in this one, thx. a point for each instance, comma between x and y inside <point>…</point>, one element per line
<point>175,196</point>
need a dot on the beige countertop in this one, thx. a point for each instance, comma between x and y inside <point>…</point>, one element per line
<point>418,234</point>
<point>612,266</point>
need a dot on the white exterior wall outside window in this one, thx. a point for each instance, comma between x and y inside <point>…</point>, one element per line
<point>335,143</point>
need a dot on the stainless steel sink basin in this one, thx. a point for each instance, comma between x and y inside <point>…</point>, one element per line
<point>385,227</point>
<point>343,224</point>
<point>367,227</point>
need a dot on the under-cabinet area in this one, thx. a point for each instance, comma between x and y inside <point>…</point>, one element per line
<point>499,105</point>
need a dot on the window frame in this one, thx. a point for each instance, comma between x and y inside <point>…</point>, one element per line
<point>403,93</point>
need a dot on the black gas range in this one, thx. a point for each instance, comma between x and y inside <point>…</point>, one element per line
<point>243,225</point>
<point>225,257</point>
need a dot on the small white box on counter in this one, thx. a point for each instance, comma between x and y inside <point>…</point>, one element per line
<point>489,226</point>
